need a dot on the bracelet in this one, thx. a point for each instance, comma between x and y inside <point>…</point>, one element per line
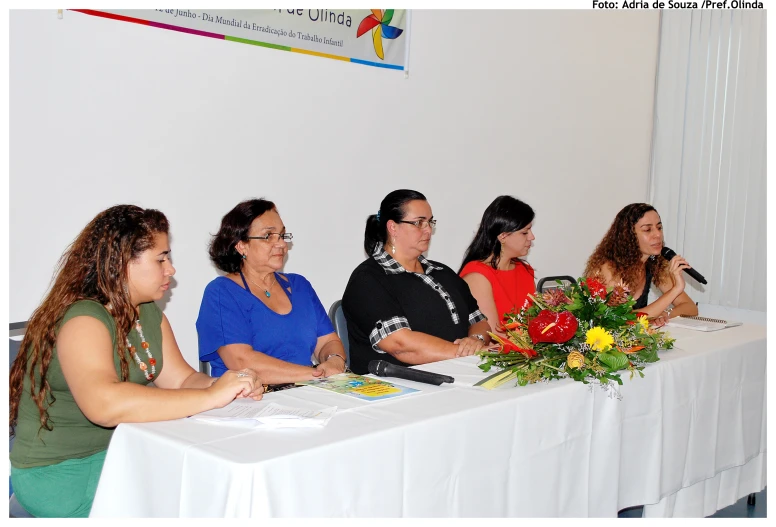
<point>668,310</point>
<point>479,337</point>
<point>330,355</point>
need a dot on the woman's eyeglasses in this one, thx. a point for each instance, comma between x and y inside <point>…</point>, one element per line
<point>273,237</point>
<point>420,224</point>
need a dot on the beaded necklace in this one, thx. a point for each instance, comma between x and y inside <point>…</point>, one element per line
<point>151,360</point>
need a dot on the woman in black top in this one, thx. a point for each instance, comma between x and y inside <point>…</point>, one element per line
<point>397,288</point>
<point>629,255</point>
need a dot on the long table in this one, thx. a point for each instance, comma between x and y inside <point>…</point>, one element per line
<point>686,440</point>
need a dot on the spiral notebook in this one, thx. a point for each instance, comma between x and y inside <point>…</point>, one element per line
<point>702,323</point>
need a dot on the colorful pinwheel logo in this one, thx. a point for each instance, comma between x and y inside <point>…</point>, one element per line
<point>378,22</point>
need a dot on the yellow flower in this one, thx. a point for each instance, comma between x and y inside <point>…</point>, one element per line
<point>598,338</point>
<point>644,322</point>
<point>575,360</point>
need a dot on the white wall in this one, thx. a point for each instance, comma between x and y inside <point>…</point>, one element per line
<point>554,107</point>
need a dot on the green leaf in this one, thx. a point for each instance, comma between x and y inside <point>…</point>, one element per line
<point>614,359</point>
<point>649,353</point>
<point>575,305</point>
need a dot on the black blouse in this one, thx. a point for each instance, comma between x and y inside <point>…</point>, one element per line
<point>382,297</point>
<point>641,302</point>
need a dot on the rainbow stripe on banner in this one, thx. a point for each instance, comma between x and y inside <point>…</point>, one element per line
<point>219,36</point>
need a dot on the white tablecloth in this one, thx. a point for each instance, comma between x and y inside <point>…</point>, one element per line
<point>686,440</point>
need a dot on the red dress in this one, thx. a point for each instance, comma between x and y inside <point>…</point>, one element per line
<point>510,288</point>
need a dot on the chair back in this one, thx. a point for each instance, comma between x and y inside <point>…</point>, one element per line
<point>337,317</point>
<point>15,340</point>
<point>204,367</point>
<point>551,282</point>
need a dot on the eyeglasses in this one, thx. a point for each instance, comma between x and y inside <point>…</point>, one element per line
<point>420,224</point>
<point>273,237</point>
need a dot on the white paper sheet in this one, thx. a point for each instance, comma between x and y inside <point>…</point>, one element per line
<point>272,415</point>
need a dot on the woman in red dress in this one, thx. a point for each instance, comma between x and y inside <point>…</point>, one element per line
<point>493,266</point>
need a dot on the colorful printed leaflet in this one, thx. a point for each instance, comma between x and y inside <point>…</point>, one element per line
<point>364,388</point>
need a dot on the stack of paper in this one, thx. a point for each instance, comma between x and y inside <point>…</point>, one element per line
<point>272,415</point>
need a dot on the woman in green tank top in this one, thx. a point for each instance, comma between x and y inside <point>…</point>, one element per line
<point>88,355</point>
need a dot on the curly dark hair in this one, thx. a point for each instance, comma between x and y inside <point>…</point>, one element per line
<point>234,228</point>
<point>93,267</point>
<point>620,249</point>
<point>504,214</point>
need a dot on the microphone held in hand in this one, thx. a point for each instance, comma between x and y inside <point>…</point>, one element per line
<point>668,254</point>
<point>383,368</point>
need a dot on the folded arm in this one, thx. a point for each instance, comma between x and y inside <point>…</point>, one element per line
<point>86,354</point>
<point>414,347</point>
<point>270,369</point>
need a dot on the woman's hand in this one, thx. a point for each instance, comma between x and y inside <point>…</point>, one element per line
<point>332,366</point>
<point>676,267</point>
<point>468,346</point>
<point>236,385</point>
<point>660,320</point>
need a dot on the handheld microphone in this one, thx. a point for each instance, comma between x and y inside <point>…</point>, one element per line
<point>668,254</point>
<point>383,368</point>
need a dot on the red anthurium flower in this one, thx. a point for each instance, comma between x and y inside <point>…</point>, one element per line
<point>549,326</point>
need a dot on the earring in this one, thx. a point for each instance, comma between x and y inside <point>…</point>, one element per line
<point>393,247</point>
<point>243,256</point>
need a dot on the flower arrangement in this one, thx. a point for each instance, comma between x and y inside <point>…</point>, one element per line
<point>583,331</point>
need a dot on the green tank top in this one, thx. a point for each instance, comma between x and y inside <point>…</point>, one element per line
<point>73,435</point>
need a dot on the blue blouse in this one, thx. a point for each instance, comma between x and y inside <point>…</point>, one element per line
<point>230,314</point>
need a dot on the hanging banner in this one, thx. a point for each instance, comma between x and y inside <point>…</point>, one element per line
<point>373,37</point>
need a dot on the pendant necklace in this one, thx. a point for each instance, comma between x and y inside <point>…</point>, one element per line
<point>266,289</point>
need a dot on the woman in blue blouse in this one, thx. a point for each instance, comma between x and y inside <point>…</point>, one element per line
<point>256,316</point>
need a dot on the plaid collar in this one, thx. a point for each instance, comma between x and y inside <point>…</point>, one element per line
<point>391,266</point>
